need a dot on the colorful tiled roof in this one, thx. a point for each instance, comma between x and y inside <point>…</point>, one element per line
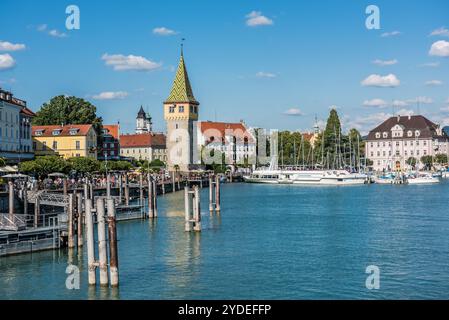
<point>142,140</point>
<point>181,90</point>
<point>210,129</point>
<point>47,131</point>
<point>112,129</point>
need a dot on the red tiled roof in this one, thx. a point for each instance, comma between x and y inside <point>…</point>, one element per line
<point>142,140</point>
<point>27,112</point>
<point>308,136</point>
<point>209,129</point>
<point>113,130</point>
<point>47,131</point>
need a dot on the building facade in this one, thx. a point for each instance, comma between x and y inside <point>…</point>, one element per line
<point>144,146</point>
<point>111,142</point>
<point>143,122</point>
<point>181,111</point>
<point>233,140</point>
<point>399,138</point>
<point>15,128</point>
<point>78,140</point>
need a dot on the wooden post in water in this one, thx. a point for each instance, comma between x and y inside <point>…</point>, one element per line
<point>113,253</point>
<point>11,198</point>
<point>211,194</point>
<point>179,182</point>
<point>173,182</point>
<point>25,199</point>
<point>150,197</point>
<point>126,190</point>
<point>120,188</point>
<point>80,219</point>
<point>36,211</point>
<point>86,190</point>
<point>141,189</point>
<point>108,185</point>
<point>91,191</point>
<point>102,245</point>
<point>163,184</point>
<point>197,210</point>
<point>188,224</point>
<point>155,199</point>
<point>64,186</point>
<point>90,242</point>
<point>217,193</point>
<point>70,214</point>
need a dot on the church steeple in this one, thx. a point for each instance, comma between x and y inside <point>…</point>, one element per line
<point>181,91</point>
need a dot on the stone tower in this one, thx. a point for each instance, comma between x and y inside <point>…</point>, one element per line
<point>181,113</point>
<point>143,122</point>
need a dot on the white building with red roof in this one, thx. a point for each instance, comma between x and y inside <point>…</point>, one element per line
<point>144,146</point>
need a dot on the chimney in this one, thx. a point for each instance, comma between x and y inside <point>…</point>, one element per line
<point>409,116</point>
<point>399,118</point>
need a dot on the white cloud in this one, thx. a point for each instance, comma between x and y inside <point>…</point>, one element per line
<point>121,62</point>
<point>390,34</point>
<point>8,46</point>
<point>376,80</point>
<point>57,34</point>
<point>440,49</point>
<point>445,109</point>
<point>293,112</point>
<point>431,64</point>
<point>42,27</point>
<point>255,18</point>
<point>262,74</point>
<point>405,112</point>
<point>110,95</point>
<point>440,32</point>
<point>6,61</point>
<point>383,63</point>
<point>434,83</point>
<point>379,103</point>
<point>163,31</point>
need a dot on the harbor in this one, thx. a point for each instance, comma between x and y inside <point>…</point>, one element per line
<point>269,242</point>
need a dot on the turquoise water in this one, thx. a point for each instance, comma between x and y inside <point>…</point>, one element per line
<point>270,242</point>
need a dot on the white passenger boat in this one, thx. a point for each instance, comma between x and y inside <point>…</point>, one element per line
<point>422,178</point>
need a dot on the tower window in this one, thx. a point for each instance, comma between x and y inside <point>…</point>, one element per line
<point>171,109</point>
<point>181,109</point>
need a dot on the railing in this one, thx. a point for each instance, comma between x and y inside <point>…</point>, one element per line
<point>47,198</point>
<point>11,222</point>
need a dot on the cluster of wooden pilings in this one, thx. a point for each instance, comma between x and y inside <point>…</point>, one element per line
<point>84,212</point>
<point>214,197</point>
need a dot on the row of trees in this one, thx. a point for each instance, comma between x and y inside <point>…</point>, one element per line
<point>428,161</point>
<point>42,166</point>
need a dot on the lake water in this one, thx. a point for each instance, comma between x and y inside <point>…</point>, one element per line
<point>270,242</point>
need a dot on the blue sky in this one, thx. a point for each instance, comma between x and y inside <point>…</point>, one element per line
<point>274,64</point>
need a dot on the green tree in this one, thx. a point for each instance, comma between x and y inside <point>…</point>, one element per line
<point>2,162</point>
<point>441,158</point>
<point>332,138</point>
<point>427,161</point>
<point>84,165</point>
<point>68,110</point>
<point>44,165</point>
<point>412,161</point>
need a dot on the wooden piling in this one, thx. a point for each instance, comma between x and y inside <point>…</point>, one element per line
<point>197,211</point>
<point>188,226</point>
<point>173,182</point>
<point>217,193</point>
<point>25,199</point>
<point>36,211</point>
<point>64,186</point>
<point>108,185</point>
<point>163,184</point>
<point>102,245</point>
<point>90,242</point>
<point>70,222</point>
<point>11,199</point>
<point>120,188</point>
<point>80,219</point>
<point>150,197</point>
<point>113,252</point>
<point>211,194</point>
<point>141,189</point>
<point>91,191</point>
<point>155,199</point>
<point>126,190</point>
